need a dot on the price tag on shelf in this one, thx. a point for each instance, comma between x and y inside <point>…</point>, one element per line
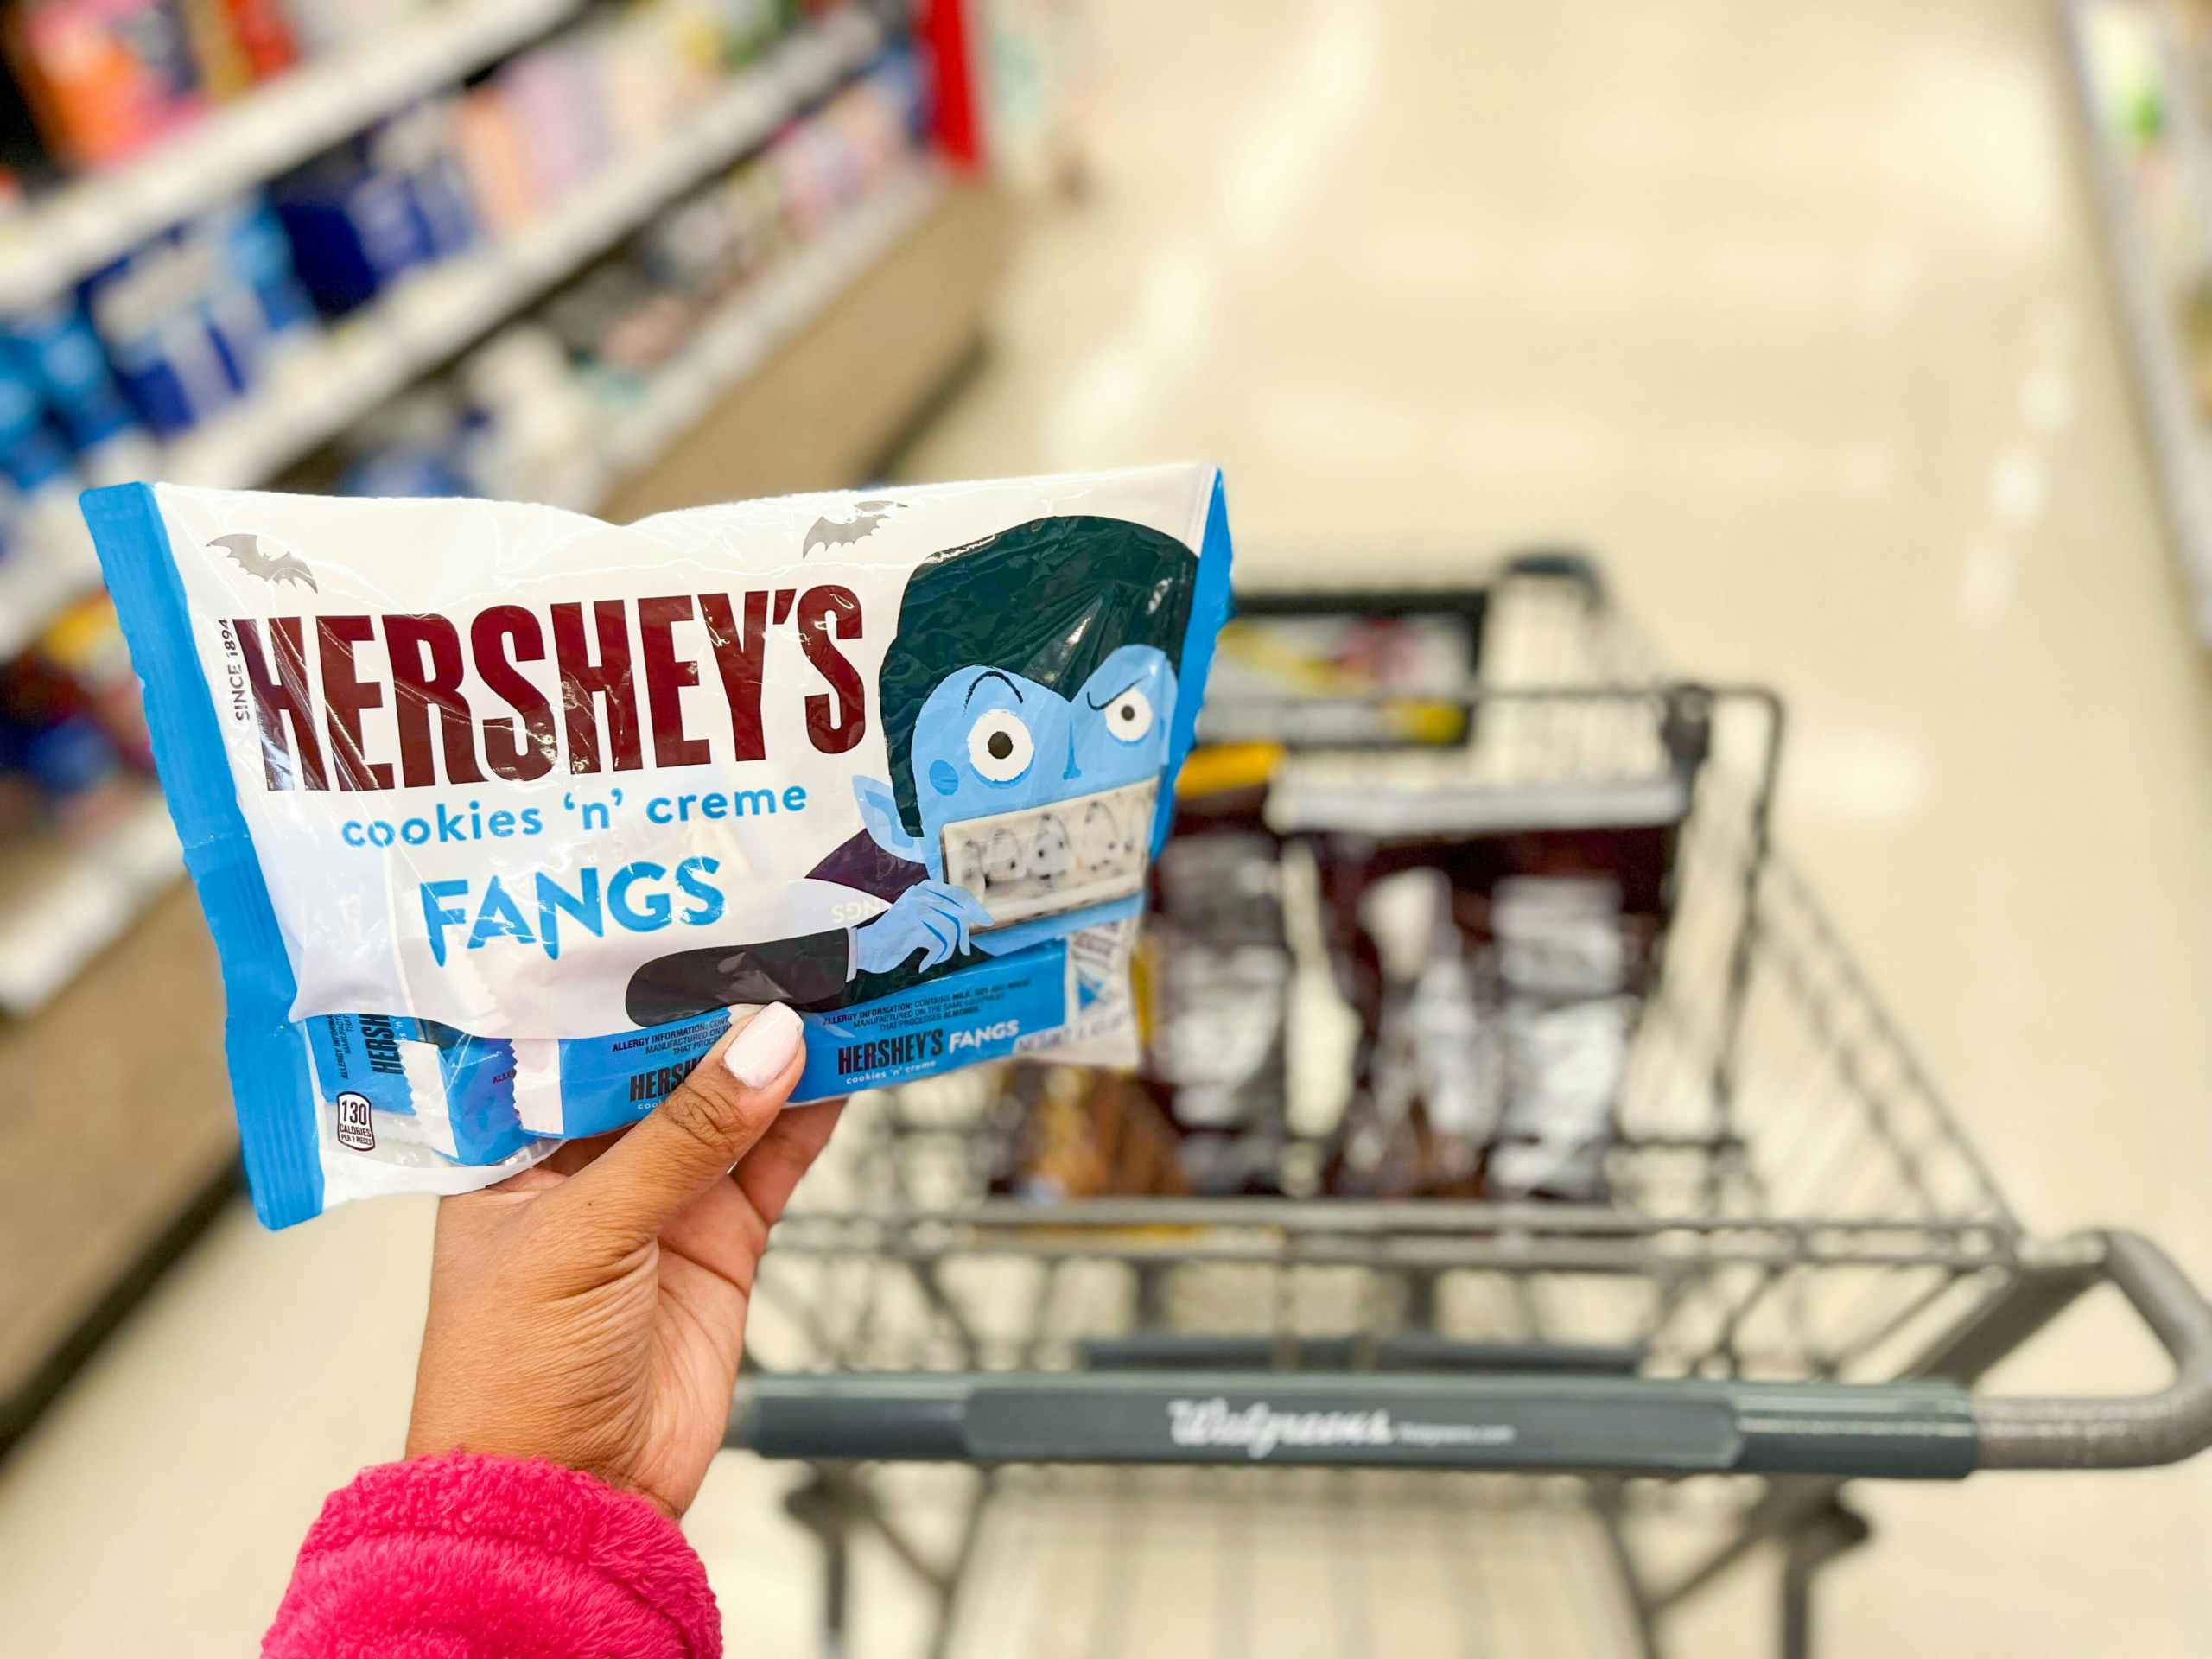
<point>46,939</point>
<point>754,111</point>
<point>737,339</point>
<point>73,900</point>
<point>35,581</point>
<point>146,853</point>
<point>435,310</point>
<point>732,349</point>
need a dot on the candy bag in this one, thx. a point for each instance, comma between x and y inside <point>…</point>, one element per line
<point>500,815</point>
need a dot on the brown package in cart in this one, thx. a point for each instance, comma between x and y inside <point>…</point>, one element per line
<point>1499,978</point>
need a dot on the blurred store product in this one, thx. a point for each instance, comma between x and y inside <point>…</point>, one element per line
<point>2143,68</point>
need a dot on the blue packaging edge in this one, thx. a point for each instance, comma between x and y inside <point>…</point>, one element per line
<point>267,1056</point>
<point>1210,609</point>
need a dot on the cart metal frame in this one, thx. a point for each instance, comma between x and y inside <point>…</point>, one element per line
<point>1804,1271</point>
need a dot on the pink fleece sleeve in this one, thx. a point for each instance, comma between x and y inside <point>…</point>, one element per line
<point>468,1558</point>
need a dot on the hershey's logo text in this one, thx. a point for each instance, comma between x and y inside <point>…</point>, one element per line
<point>609,696</point>
<point>381,1042</point>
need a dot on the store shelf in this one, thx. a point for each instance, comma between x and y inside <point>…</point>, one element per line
<point>67,896</point>
<point>60,237</point>
<point>831,402</point>
<point>326,387</point>
<point>63,900</point>
<point>742,336</point>
<point>801,377</point>
<point>2147,284</point>
<point>322,386</point>
<point>98,1189</point>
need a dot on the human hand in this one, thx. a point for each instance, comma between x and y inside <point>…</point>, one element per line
<point>932,916</point>
<point>590,1311</point>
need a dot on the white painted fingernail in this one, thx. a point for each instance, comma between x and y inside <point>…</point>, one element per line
<point>765,1047</point>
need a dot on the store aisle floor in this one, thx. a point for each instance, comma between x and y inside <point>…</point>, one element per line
<point>1791,312</point>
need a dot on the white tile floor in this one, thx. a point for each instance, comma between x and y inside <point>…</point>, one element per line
<point>1791,311</point>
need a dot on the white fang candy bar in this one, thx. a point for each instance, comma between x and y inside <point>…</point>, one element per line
<point>1046,860</point>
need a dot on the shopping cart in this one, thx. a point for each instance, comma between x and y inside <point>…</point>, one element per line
<point>1556,1422</point>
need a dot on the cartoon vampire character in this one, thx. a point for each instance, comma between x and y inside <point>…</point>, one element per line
<point>1031,668</point>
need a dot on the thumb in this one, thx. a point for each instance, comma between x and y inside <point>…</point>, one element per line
<point>642,1182</point>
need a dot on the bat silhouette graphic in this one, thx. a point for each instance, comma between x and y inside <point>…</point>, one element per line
<point>245,552</point>
<point>832,532</point>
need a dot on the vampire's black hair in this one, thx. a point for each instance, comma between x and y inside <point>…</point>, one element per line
<point>1049,599</point>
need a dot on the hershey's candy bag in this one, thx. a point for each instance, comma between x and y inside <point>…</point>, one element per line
<point>498,814</point>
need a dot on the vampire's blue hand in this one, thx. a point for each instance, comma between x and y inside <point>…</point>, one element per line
<point>932,916</point>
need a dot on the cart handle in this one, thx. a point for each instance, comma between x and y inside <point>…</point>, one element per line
<point>1177,1350</point>
<point>2137,1431</point>
<point>1915,1429</point>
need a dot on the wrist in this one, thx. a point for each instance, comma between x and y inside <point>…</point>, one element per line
<point>488,1544</point>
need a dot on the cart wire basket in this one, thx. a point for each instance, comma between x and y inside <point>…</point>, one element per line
<point>1794,1274</point>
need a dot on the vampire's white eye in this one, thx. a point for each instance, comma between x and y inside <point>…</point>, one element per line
<point>1129,715</point>
<point>999,746</point>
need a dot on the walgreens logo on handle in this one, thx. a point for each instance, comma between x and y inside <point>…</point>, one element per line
<point>1259,1428</point>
